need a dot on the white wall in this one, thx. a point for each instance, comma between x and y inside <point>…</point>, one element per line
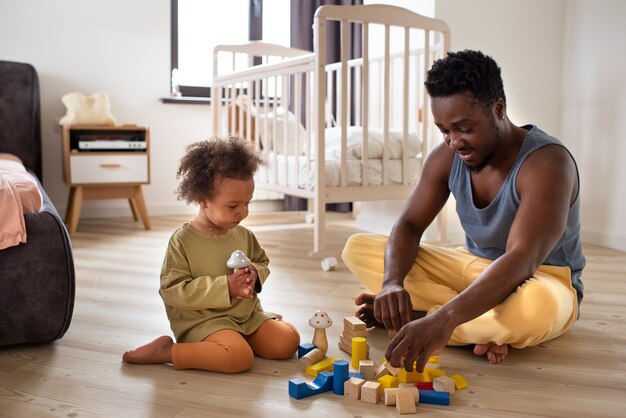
<point>594,112</point>
<point>118,47</point>
<point>562,64</point>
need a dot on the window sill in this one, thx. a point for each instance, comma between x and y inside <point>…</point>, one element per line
<point>186,100</point>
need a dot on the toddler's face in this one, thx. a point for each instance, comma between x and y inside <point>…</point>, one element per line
<point>230,205</point>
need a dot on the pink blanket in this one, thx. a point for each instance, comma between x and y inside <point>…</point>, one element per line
<point>19,194</point>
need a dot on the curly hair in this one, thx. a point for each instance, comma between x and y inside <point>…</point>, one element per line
<point>206,163</point>
<point>466,72</point>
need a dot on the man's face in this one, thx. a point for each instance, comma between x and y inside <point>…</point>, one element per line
<point>468,128</point>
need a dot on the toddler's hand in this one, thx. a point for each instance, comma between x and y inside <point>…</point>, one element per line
<point>241,283</point>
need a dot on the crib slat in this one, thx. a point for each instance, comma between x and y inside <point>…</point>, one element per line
<point>405,110</point>
<point>366,107</point>
<point>385,162</point>
<point>344,102</point>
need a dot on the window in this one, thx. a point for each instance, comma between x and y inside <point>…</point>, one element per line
<point>199,25</point>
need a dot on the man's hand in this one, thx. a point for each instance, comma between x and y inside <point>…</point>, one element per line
<point>241,283</point>
<point>418,340</point>
<point>392,307</point>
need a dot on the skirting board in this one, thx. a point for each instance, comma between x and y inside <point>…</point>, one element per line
<point>121,208</point>
<point>614,241</point>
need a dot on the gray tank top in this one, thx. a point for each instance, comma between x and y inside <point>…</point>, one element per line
<point>487,229</point>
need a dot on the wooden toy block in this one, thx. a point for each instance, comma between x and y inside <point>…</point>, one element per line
<point>325,365</point>
<point>341,368</point>
<point>299,389</point>
<point>389,395</point>
<point>388,381</point>
<point>444,384</point>
<point>459,381</point>
<point>352,388</point>
<point>358,351</point>
<point>304,349</point>
<point>424,385</point>
<point>354,323</point>
<point>371,392</point>
<point>344,347</point>
<point>405,402</point>
<point>314,356</point>
<point>345,344</point>
<point>381,371</point>
<point>432,365</point>
<point>392,370</point>
<point>368,369</point>
<point>434,373</point>
<point>350,334</point>
<point>408,377</point>
<point>434,398</point>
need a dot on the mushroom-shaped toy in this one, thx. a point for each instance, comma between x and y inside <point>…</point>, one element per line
<point>320,321</point>
<point>238,260</point>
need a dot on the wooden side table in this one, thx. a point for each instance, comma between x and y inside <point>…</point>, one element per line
<point>106,162</point>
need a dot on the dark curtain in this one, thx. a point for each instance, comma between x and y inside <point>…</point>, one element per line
<point>302,12</point>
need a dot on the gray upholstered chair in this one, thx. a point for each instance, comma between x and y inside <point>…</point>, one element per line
<point>36,278</point>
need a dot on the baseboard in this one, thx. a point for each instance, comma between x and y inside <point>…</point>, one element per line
<point>615,241</point>
<point>119,208</point>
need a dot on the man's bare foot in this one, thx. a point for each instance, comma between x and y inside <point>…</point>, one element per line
<point>155,352</point>
<point>495,353</point>
<point>365,313</point>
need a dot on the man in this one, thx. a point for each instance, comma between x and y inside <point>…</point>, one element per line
<point>517,281</point>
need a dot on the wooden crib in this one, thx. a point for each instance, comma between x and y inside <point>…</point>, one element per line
<point>368,116</point>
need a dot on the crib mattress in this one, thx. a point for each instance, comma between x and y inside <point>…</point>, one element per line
<point>291,172</point>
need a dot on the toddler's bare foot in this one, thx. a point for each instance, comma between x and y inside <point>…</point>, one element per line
<point>155,352</point>
<point>495,353</point>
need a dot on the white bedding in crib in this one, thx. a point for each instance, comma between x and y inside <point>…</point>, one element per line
<point>280,170</point>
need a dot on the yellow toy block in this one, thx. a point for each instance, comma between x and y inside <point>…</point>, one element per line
<point>433,359</point>
<point>325,365</point>
<point>459,381</point>
<point>433,373</point>
<point>408,377</point>
<point>388,381</point>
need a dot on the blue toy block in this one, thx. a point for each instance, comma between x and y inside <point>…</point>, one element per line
<point>299,389</point>
<point>303,349</point>
<point>434,398</point>
<point>340,375</point>
<point>356,374</point>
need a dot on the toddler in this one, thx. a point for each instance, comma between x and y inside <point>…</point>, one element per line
<point>214,312</point>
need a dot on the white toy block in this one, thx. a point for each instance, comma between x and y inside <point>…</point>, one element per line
<point>329,263</point>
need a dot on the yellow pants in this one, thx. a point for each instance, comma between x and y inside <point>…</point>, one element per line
<point>540,309</point>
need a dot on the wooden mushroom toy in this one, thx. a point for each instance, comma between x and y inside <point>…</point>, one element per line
<point>320,321</point>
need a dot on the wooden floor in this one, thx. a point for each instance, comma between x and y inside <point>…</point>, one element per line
<point>582,374</point>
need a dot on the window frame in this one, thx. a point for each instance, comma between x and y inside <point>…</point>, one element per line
<point>255,32</point>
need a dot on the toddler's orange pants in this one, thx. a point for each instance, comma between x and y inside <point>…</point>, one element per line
<point>228,351</point>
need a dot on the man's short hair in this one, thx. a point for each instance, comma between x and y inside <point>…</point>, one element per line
<point>466,72</point>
